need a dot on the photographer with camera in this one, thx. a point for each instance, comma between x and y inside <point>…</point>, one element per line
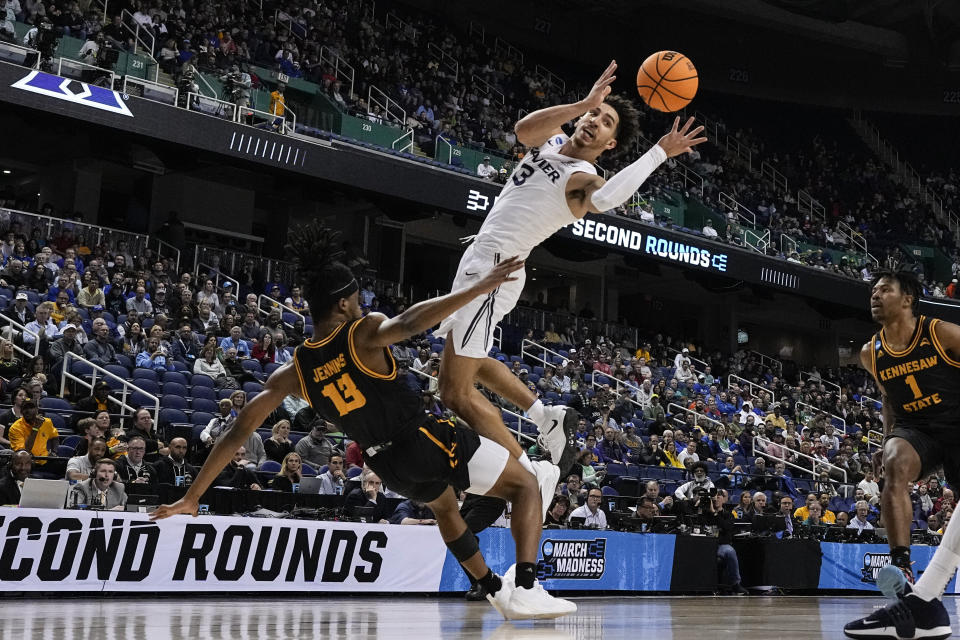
<point>236,87</point>
<point>708,503</point>
<point>187,83</point>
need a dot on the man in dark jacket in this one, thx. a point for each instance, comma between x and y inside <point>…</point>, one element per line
<point>173,469</point>
<point>12,481</point>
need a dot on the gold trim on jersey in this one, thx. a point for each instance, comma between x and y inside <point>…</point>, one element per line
<point>450,452</point>
<point>873,356</point>
<point>939,347</point>
<point>319,343</point>
<point>303,386</point>
<point>916,338</point>
<point>356,359</point>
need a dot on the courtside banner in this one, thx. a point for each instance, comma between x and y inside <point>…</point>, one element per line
<point>47,550</point>
<point>855,566</point>
<point>580,560</point>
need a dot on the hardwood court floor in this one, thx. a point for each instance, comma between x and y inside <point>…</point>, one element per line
<point>425,618</point>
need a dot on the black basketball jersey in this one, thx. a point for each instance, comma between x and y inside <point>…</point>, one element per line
<point>922,383</point>
<point>369,407</point>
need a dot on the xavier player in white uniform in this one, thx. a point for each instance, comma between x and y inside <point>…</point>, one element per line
<point>554,185</point>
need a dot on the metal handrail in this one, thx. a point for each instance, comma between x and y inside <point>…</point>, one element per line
<point>764,357</point>
<point>770,173</point>
<point>408,136</point>
<point>160,245</point>
<point>832,416</point>
<point>217,275</point>
<point>872,439</point>
<point>97,232</point>
<point>385,105</point>
<point>440,139</point>
<point>618,383</point>
<point>488,89</point>
<point>732,377</point>
<point>524,351</point>
<point>23,330</point>
<point>132,80</point>
<point>27,52</point>
<point>699,415</point>
<point>756,241</point>
<point>509,50</point>
<point>399,23</point>
<point>340,66</point>
<point>230,107</point>
<point>280,305</point>
<point>519,432</point>
<point>288,121</point>
<point>730,205</point>
<point>552,79</point>
<point>809,375</point>
<point>868,399</point>
<point>477,28</point>
<point>128,387</point>
<point>703,363</point>
<point>136,34</point>
<point>205,83</point>
<point>497,336</point>
<point>77,63</point>
<point>764,442</point>
<point>787,245</point>
<point>445,59</point>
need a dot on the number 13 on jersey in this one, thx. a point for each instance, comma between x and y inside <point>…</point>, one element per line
<point>344,395</point>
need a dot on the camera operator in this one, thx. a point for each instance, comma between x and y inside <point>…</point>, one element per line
<point>236,87</point>
<point>91,49</point>
<point>187,83</point>
<point>688,490</point>
<point>709,504</point>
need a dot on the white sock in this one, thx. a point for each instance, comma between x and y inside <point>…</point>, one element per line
<point>536,412</point>
<point>942,567</point>
<point>526,464</point>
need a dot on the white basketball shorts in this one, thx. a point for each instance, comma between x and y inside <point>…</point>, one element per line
<point>470,329</point>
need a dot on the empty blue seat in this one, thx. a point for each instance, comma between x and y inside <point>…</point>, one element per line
<point>251,365</point>
<point>144,374</point>
<point>270,466</point>
<point>138,399</point>
<point>173,401</point>
<point>56,404</point>
<point>176,377</point>
<point>124,361</point>
<point>207,393</point>
<point>354,472</point>
<point>616,469</point>
<point>308,470</point>
<point>72,441</point>
<point>201,418</point>
<point>204,404</point>
<point>172,416</point>
<point>174,388</point>
<point>201,380</point>
<point>148,386</point>
<point>118,370</point>
<point>609,491</point>
<point>65,451</point>
<point>252,386</point>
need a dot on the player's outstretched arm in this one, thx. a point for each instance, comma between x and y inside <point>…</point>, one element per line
<point>282,383</point>
<point>539,126</point>
<point>379,331</point>
<point>596,195</point>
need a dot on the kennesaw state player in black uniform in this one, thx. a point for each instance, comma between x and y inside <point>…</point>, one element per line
<point>349,376</point>
<point>916,362</point>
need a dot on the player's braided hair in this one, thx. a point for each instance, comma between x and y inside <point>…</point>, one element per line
<point>316,251</point>
<point>628,125</point>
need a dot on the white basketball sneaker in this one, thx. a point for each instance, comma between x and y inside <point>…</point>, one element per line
<point>548,475</point>
<point>558,434</point>
<point>501,599</point>
<point>537,603</point>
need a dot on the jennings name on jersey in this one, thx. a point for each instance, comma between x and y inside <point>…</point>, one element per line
<point>921,383</point>
<point>533,204</point>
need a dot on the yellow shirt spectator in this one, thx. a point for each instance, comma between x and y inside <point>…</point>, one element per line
<point>20,432</point>
<point>277,104</point>
<point>828,517</point>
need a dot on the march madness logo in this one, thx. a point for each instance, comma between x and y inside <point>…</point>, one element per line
<point>872,563</point>
<point>572,559</point>
<point>80,93</point>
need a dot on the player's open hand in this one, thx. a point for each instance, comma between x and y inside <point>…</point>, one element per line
<point>500,274</point>
<point>601,88</point>
<point>681,140</point>
<point>183,505</point>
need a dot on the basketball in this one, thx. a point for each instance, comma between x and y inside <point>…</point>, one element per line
<point>667,81</point>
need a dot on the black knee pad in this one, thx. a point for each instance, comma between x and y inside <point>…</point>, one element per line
<point>464,547</point>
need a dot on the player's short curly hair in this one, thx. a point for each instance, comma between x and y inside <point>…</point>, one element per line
<point>907,281</point>
<point>628,126</point>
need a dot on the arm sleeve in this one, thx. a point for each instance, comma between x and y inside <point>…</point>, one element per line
<point>621,187</point>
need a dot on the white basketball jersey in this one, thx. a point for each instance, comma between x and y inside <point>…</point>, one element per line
<point>533,204</point>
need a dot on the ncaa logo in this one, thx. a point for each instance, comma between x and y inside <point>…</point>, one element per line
<point>73,91</point>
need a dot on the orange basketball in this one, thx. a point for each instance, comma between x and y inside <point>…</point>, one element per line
<point>667,81</point>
